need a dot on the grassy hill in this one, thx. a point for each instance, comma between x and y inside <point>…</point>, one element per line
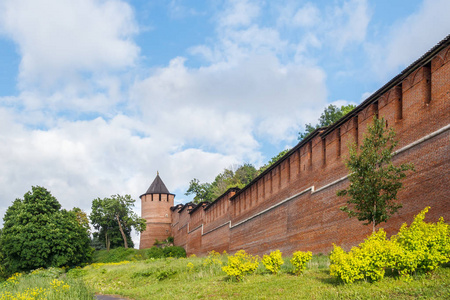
<point>191,278</point>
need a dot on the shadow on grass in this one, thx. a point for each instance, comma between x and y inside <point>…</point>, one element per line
<point>326,278</point>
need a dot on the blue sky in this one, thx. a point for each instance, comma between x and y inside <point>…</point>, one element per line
<point>97,95</point>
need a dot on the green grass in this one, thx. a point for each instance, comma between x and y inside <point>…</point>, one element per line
<point>172,278</point>
<point>51,284</point>
<point>120,254</point>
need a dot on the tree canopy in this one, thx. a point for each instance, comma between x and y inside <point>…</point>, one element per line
<point>114,218</point>
<point>330,115</point>
<point>238,176</point>
<point>38,233</point>
<point>374,180</point>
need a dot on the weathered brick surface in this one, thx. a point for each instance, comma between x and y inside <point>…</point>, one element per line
<point>259,220</point>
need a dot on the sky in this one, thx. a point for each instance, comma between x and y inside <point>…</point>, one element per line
<point>96,96</point>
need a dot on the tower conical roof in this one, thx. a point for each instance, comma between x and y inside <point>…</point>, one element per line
<point>157,187</point>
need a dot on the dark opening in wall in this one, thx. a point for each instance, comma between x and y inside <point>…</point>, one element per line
<point>288,168</point>
<point>159,197</point>
<point>324,151</point>
<point>427,75</point>
<point>338,132</point>
<point>375,109</point>
<point>151,195</point>
<point>310,153</point>
<point>399,103</point>
<point>355,124</point>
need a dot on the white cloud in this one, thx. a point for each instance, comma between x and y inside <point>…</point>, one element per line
<point>348,23</point>
<point>76,36</point>
<point>239,13</point>
<point>306,16</point>
<point>79,161</point>
<point>222,104</point>
<point>411,37</point>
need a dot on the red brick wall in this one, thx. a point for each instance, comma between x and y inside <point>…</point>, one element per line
<point>265,216</point>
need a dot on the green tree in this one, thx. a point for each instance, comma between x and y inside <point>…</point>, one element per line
<point>238,177</point>
<point>38,233</point>
<point>374,180</point>
<point>330,115</point>
<point>115,215</point>
<point>201,191</point>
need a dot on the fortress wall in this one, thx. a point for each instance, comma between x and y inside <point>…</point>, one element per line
<point>218,212</point>
<point>217,240</point>
<point>180,230</point>
<point>293,206</point>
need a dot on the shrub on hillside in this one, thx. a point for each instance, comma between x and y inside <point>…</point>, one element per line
<point>174,251</point>
<point>420,247</point>
<point>424,246</point>
<point>212,259</point>
<point>367,261</point>
<point>299,260</point>
<point>155,252</point>
<point>273,261</point>
<point>241,264</point>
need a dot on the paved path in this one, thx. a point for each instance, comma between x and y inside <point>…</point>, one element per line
<point>106,297</point>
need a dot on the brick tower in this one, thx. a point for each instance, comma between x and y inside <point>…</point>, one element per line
<point>155,209</point>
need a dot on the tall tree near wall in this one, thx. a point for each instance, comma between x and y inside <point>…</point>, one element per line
<point>115,213</point>
<point>374,180</point>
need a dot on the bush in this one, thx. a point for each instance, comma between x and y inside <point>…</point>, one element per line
<point>212,259</point>
<point>241,264</point>
<point>367,261</point>
<point>424,246</point>
<point>299,260</point>
<point>420,247</point>
<point>155,252</point>
<point>174,251</point>
<point>273,261</point>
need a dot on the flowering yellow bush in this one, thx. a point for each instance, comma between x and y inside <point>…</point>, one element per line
<point>422,246</point>
<point>368,260</point>
<point>190,267</point>
<point>299,260</point>
<point>212,259</point>
<point>241,264</point>
<point>28,294</point>
<point>14,278</point>
<point>59,285</point>
<point>273,261</point>
<point>37,293</point>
